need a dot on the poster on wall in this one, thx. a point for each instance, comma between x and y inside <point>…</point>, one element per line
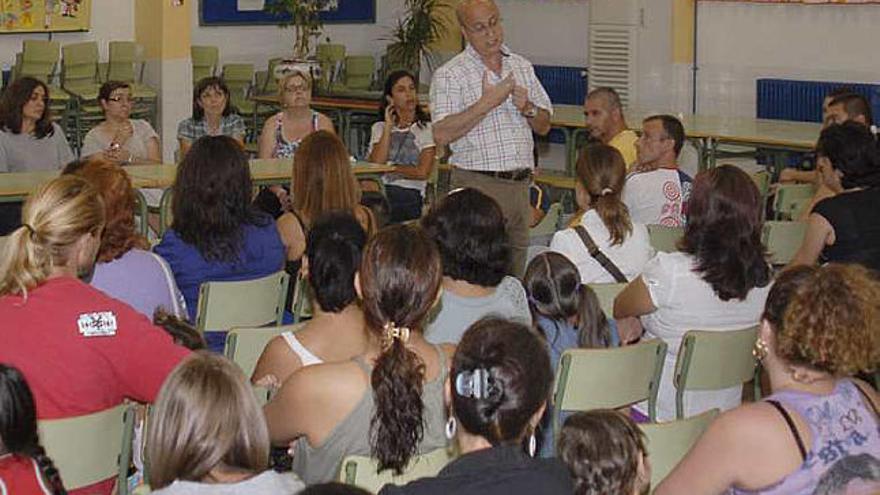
<point>45,16</point>
<point>245,12</point>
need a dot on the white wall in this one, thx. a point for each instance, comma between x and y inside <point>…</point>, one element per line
<point>547,32</point>
<point>739,43</point>
<point>111,20</point>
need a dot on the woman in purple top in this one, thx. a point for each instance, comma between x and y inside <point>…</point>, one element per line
<point>216,234</point>
<point>818,433</point>
<point>126,270</point>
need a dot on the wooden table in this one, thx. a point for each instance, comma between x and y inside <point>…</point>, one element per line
<point>16,186</point>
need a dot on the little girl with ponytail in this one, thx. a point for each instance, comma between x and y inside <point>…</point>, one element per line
<point>21,455</point>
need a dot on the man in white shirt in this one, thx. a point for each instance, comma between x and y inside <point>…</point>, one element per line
<point>485,104</point>
<point>659,191</point>
<point>603,115</point>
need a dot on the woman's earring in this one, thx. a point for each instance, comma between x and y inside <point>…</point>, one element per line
<point>533,444</point>
<point>451,428</point>
<point>760,349</point>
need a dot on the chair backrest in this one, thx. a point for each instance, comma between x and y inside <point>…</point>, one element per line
<point>204,61</point>
<point>783,239</point>
<point>762,180</point>
<point>121,61</point>
<point>239,78</point>
<point>608,378</point>
<point>79,63</point>
<point>39,59</point>
<point>301,304</point>
<point>245,345</point>
<point>665,238</point>
<point>359,71</point>
<point>270,85</point>
<point>91,448</point>
<point>606,294</point>
<point>549,224</point>
<point>713,360</point>
<point>669,442</point>
<point>246,303</point>
<point>792,199</point>
<point>362,471</point>
<point>331,57</point>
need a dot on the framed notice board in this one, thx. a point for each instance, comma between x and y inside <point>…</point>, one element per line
<point>44,16</point>
<point>250,12</point>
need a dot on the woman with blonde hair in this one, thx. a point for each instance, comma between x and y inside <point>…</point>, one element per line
<point>322,181</point>
<point>124,254</point>
<point>81,350</point>
<point>622,247</point>
<point>819,431</point>
<point>208,435</point>
<point>388,401</point>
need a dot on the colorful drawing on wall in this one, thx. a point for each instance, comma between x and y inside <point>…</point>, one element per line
<point>33,16</point>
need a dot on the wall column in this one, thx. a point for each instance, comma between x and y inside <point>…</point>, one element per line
<point>162,28</point>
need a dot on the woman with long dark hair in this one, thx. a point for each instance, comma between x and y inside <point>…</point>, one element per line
<point>29,140</point>
<point>403,138</point>
<point>24,465</point>
<point>216,233</point>
<point>388,402</point>
<point>718,281</point>
<point>497,391</point>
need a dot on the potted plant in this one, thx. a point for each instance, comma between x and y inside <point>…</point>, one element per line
<point>305,17</point>
<point>411,37</point>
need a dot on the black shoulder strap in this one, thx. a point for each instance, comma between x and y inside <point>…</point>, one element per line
<point>791,426</point>
<point>598,255</point>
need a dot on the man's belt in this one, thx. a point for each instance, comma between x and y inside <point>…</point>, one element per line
<point>519,174</point>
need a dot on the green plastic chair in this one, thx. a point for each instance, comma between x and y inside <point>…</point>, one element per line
<point>714,360</point>
<point>762,180</point>
<point>665,238</point>
<point>245,345</point>
<point>783,239</point>
<point>246,303</point>
<point>669,442</point>
<point>608,378</point>
<point>79,69</point>
<point>792,199</point>
<point>363,472</point>
<point>359,72</point>
<point>91,448</point>
<point>204,61</point>
<point>331,57</point>
<point>39,59</point>
<point>549,224</point>
<point>606,294</point>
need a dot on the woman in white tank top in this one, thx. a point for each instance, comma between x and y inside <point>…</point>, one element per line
<point>336,330</point>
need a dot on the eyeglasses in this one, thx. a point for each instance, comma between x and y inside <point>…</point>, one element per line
<point>483,29</point>
<point>120,99</point>
<point>296,89</point>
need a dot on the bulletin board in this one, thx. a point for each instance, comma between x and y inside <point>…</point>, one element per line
<point>249,12</point>
<point>44,16</point>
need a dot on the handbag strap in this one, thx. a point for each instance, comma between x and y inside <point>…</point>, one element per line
<point>598,255</point>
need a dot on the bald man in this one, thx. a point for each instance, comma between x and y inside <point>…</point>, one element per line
<point>605,122</point>
<point>485,104</point>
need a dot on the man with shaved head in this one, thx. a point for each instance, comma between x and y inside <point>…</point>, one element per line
<point>485,104</point>
<point>605,122</point>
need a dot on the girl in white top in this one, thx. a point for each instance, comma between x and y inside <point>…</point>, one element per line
<point>336,330</point>
<point>601,175</point>
<point>718,281</point>
<point>403,139</point>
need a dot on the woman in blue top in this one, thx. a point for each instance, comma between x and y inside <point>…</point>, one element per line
<point>403,138</point>
<point>212,115</point>
<point>216,233</point>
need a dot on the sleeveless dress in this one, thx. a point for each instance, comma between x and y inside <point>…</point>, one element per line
<point>351,436</point>
<point>21,474</point>
<point>844,457</point>
<point>284,148</point>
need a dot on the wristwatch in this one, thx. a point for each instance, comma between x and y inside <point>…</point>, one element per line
<point>531,112</point>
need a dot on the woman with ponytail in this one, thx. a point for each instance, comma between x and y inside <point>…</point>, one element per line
<point>81,350</point>
<point>388,402</point>
<point>601,174</point>
<point>24,466</point>
<point>497,392</point>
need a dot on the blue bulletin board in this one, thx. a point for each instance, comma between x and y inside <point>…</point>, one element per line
<point>226,13</point>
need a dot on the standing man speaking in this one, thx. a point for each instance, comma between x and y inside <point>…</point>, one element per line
<point>485,104</point>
